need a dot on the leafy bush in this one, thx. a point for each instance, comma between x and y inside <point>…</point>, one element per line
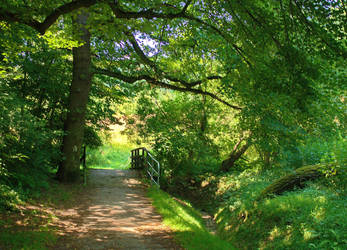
<point>8,198</point>
<point>337,176</point>
<point>27,150</point>
<point>314,150</point>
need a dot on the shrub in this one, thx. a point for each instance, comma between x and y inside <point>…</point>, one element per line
<point>9,198</point>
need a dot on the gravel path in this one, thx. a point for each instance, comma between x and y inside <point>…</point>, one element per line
<point>112,213</point>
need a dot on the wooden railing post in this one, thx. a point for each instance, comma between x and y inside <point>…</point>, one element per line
<point>141,158</point>
<point>84,166</point>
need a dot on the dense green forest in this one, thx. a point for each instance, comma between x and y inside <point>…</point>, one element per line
<point>242,102</point>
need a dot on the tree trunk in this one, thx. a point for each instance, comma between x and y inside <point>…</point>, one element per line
<point>203,121</point>
<point>298,178</point>
<point>69,170</point>
<point>234,156</point>
<point>267,159</point>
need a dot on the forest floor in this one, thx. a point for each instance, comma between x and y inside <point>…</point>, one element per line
<point>113,212</point>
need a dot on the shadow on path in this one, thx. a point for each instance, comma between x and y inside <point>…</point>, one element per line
<point>113,213</point>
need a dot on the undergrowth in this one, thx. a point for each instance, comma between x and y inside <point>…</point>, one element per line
<point>26,220</point>
<point>21,185</point>
<point>314,217</point>
<point>186,223</point>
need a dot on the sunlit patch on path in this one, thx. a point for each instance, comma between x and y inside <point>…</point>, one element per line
<point>112,213</point>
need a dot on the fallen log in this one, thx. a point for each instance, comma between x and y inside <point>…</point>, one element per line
<point>297,179</point>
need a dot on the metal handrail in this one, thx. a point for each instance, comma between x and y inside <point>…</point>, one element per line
<point>142,158</point>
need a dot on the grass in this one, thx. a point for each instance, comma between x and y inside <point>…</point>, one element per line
<point>186,223</point>
<point>27,239</point>
<point>311,218</point>
<point>109,156</point>
<point>114,154</point>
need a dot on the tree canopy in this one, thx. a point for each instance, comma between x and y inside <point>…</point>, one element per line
<point>277,64</point>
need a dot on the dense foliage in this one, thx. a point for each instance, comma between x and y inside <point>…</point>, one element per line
<point>264,87</point>
<point>183,132</point>
<point>34,86</point>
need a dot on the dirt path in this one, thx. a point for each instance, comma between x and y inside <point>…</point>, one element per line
<point>112,213</point>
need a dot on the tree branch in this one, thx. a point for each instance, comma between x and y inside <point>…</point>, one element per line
<point>150,14</point>
<point>186,6</point>
<point>156,82</point>
<point>194,83</point>
<point>152,64</point>
<point>319,33</point>
<point>262,25</point>
<point>140,53</point>
<point>41,27</point>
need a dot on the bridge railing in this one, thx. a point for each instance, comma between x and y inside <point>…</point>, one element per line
<point>141,158</point>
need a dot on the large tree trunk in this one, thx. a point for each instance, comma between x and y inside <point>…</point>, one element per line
<point>69,169</point>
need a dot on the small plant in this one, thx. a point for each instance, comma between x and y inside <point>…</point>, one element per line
<point>9,198</point>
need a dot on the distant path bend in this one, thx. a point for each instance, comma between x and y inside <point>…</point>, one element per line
<point>113,213</point>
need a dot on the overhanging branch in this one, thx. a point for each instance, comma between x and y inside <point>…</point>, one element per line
<point>156,82</point>
<point>150,14</point>
<point>41,27</point>
<point>161,73</point>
